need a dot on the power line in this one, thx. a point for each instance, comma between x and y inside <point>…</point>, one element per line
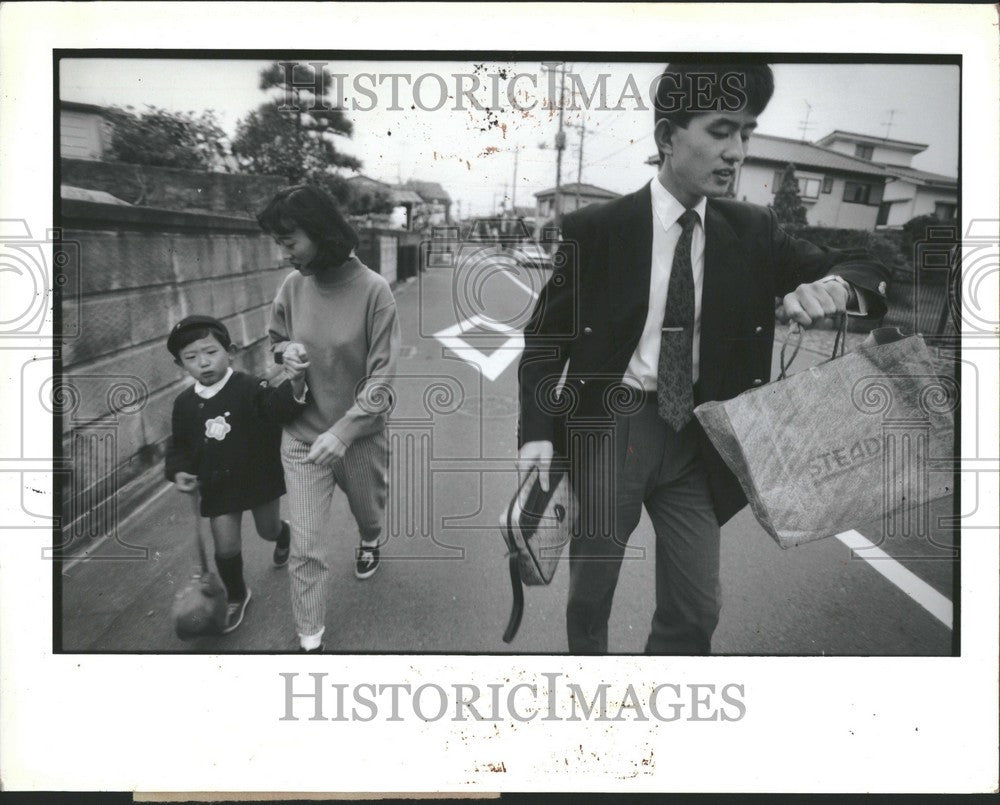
<point>615,153</point>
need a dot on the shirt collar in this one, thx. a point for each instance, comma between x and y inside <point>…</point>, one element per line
<point>206,392</point>
<point>668,209</point>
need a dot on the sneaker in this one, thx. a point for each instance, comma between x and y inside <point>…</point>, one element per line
<point>317,650</point>
<point>367,561</point>
<point>283,547</point>
<point>234,613</point>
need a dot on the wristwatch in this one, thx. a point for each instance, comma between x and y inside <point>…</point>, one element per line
<point>852,295</point>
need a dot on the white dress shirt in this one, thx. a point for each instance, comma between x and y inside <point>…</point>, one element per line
<point>641,371</point>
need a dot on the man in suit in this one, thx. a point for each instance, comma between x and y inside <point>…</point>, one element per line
<point>659,301</point>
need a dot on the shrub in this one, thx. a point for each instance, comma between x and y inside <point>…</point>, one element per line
<point>166,139</point>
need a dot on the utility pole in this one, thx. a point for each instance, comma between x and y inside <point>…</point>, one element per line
<point>579,165</point>
<point>513,192</point>
<point>560,143</point>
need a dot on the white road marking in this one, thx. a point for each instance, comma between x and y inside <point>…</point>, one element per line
<point>531,291</point>
<point>915,587</point>
<point>490,366</point>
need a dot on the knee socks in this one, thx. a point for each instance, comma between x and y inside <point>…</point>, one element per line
<point>231,573</point>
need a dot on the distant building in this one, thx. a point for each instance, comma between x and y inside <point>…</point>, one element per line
<point>84,130</point>
<point>909,192</point>
<point>837,190</point>
<point>573,196</point>
<point>437,209</point>
<point>846,180</point>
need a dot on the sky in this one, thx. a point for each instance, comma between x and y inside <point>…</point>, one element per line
<point>422,124</point>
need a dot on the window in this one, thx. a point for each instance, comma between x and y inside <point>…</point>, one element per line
<point>864,151</point>
<point>944,211</point>
<point>827,184</point>
<point>857,193</point>
<point>808,188</point>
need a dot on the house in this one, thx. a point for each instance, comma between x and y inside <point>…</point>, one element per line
<point>846,180</point>
<point>837,190</point>
<point>572,196</point>
<point>84,130</point>
<point>437,202</point>
<point>909,192</point>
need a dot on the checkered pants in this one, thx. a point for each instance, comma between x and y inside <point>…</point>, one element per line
<point>362,474</point>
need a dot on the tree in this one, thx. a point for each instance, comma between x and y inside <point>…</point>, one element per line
<point>166,139</point>
<point>297,141</point>
<point>787,203</point>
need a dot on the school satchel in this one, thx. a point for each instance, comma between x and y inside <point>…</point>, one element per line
<point>536,527</point>
<point>200,608</point>
<point>864,436</point>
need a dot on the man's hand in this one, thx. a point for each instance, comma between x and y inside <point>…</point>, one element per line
<point>535,454</point>
<point>811,302</point>
<point>186,482</point>
<point>326,449</point>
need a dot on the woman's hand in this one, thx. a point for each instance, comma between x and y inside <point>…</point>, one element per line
<point>326,449</point>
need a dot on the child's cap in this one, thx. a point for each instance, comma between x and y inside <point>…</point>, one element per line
<point>180,335</point>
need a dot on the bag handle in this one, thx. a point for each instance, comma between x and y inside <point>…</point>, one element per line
<point>795,329</point>
<point>514,562</point>
<point>199,539</point>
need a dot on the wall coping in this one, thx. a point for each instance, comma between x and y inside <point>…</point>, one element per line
<point>76,214</point>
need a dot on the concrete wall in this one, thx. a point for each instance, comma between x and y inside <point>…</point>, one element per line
<point>172,188</point>
<point>140,271</point>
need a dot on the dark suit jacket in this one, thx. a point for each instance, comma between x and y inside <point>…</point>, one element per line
<point>593,309</point>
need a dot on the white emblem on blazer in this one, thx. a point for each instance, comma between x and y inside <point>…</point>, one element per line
<point>217,428</point>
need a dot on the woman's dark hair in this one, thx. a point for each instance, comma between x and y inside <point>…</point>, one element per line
<point>309,208</point>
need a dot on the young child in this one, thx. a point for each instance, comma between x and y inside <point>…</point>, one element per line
<point>225,444</point>
<point>342,316</point>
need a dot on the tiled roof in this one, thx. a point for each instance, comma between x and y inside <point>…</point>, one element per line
<point>782,150</point>
<point>871,138</point>
<point>585,190</point>
<point>428,191</point>
<point>358,178</point>
<point>405,196</point>
<point>921,177</point>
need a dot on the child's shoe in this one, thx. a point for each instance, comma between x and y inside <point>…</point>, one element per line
<point>367,561</point>
<point>283,546</point>
<point>234,613</point>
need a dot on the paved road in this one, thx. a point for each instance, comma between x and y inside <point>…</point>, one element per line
<point>443,585</point>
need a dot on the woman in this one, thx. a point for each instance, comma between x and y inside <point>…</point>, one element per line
<point>337,318</point>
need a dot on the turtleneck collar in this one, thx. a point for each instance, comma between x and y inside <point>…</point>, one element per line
<point>331,276</point>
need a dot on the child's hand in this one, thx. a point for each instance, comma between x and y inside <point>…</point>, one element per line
<point>299,385</point>
<point>186,482</point>
<point>296,361</point>
<point>295,352</point>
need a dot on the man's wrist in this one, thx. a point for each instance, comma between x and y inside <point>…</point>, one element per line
<point>852,295</point>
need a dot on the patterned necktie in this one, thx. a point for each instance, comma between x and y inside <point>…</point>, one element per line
<point>674,392</point>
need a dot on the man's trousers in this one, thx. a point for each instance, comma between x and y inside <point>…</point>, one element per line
<point>642,461</point>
